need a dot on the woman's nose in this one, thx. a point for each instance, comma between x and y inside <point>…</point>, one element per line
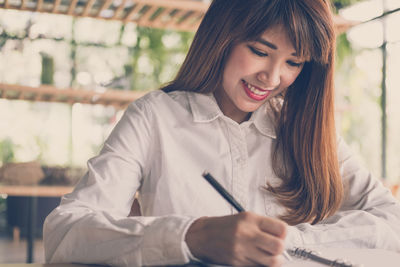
<point>270,78</point>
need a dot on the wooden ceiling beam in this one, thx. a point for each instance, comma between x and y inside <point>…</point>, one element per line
<point>145,18</point>
<point>56,6</point>
<point>39,5</point>
<point>71,9</point>
<point>162,18</point>
<point>23,4</point>
<point>174,19</point>
<point>135,9</point>
<point>119,10</point>
<point>88,8</point>
<point>105,6</point>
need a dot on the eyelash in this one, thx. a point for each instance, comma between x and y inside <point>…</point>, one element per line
<point>294,64</point>
<point>262,54</point>
<point>257,52</point>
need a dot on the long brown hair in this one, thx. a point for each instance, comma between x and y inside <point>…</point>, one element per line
<point>305,154</point>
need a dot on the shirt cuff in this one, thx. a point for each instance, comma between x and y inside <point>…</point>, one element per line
<point>162,241</point>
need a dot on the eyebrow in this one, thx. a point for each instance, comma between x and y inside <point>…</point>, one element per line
<point>271,45</point>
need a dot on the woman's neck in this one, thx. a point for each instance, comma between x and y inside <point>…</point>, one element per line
<point>229,109</point>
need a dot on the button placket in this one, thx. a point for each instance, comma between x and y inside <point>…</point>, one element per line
<point>240,186</point>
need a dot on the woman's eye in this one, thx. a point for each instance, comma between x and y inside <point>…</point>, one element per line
<point>295,64</point>
<point>257,52</point>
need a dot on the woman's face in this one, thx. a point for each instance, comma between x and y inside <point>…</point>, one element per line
<point>257,71</point>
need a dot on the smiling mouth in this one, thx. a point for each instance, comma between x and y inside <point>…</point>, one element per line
<point>256,90</point>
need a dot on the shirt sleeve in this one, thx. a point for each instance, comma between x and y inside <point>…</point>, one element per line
<point>91,225</point>
<point>368,218</point>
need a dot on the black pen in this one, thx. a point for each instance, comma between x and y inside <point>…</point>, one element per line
<point>225,194</point>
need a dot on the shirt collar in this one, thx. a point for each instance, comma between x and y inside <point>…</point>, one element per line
<point>263,119</point>
<point>205,109</point>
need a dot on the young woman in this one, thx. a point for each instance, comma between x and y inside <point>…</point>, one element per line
<point>253,105</point>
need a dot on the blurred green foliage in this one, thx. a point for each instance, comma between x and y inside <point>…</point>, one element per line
<point>338,4</point>
<point>150,43</point>
<point>7,150</point>
<point>47,69</point>
<point>343,49</point>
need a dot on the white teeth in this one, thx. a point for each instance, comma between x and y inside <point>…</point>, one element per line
<point>255,90</point>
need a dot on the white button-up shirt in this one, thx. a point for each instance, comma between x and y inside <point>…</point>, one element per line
<point>160,148</point>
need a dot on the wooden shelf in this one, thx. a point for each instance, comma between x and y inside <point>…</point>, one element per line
<point>116,98</point>
<point>183,15</point>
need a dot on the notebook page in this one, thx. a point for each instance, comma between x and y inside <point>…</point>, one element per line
<point>358,257</point>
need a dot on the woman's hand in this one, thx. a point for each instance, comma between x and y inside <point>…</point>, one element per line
<point>243,239</point>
